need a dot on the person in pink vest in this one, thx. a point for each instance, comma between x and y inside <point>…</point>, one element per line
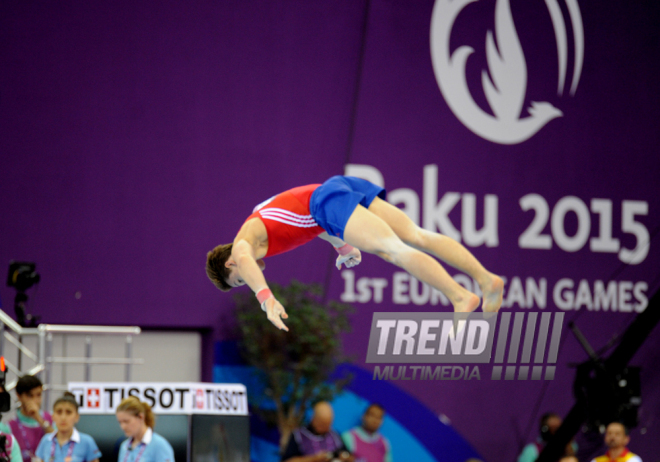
<point>365,442</point>
<point>31,423</point>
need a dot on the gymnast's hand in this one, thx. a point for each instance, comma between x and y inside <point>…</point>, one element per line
<point>275,312</point>
<point>351,259</point>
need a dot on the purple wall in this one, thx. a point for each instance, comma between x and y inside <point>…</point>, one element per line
<point>135,136</point>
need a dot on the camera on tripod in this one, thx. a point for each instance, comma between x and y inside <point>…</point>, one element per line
<point>22,276</point>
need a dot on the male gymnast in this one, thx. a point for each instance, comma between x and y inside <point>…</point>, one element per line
<point>352,215</point>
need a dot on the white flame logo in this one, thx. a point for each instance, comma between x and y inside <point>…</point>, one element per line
<point>505,93</point>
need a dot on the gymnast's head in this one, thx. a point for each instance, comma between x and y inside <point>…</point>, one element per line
<point>221,269</point>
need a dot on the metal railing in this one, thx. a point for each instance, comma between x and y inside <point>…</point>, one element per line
<point>44,360</point>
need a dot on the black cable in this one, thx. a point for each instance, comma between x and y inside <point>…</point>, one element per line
<point>351,128</point>
<point>358,84</point>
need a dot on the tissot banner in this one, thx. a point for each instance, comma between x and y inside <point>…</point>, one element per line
<point>164,398</point>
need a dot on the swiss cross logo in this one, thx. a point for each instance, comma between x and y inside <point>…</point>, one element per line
<point>199,399</point>
<point>93,398</point>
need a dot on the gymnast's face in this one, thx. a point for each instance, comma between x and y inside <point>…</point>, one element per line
<point>235,279</point>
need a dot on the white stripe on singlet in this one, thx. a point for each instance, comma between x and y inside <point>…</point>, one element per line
<point>287,217</point>
<point>287,214</point>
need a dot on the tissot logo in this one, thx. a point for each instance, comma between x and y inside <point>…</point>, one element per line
<point>505,83</point>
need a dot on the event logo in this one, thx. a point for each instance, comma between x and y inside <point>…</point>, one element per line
<point>505,82</point>
<point>527,345</point>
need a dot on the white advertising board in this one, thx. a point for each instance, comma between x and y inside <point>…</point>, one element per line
<point>163,397</point>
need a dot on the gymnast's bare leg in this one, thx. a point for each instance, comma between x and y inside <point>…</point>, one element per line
<point>369,233</point>
<point>394,237</point>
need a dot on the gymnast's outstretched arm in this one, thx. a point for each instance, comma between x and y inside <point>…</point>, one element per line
<point>244,254</point>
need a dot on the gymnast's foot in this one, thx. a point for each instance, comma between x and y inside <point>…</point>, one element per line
<point>467,303</point>
<point>492,287</point>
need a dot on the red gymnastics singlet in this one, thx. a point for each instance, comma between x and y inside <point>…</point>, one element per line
<point>287,218</point>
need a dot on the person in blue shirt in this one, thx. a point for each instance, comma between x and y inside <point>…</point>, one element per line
<point>143,445</point>
<point>67,444</point>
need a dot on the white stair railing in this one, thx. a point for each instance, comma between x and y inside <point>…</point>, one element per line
<point>43,359</point>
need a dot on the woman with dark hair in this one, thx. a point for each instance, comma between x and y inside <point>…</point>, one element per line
<point>67,444</point>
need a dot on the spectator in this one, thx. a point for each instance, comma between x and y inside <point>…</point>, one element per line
<point>317,442</point>
<point>137,422</point>
<point>616,440</point>
<point>30,424</point>
<point>67,444</point>
<point>365,442</point>
<point>548,426</point>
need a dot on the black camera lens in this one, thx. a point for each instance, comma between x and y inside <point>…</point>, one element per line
<point>26,279</point>
<point>22,275</point>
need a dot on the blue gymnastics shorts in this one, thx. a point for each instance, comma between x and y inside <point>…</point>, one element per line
<point>332,203</point>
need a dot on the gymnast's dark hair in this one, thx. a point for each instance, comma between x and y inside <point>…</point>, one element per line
<point>67,397</point>
<point>215,266</point>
